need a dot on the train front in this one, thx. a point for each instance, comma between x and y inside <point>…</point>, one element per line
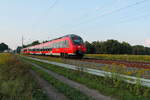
<point>78,46</point>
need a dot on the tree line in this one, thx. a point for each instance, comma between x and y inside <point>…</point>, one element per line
<point>3,47</point>
<point>115,47</point>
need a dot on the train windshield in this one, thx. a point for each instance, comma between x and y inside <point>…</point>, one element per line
<point>77,40</point>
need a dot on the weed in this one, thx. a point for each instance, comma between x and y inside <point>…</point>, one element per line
<point>16,82</point>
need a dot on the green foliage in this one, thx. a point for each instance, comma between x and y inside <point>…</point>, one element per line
<point>90,48</point>
<point>115,47</point>
<point>18,50</point>
<point>138,49</point>
<point>32,44</point>
<point>3,47</point>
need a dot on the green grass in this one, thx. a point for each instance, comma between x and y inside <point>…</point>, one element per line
<point>70,92</point>
<point>141,58</point>
<point>107,86</point>
<point>50,58</point>
<point>16,82</point>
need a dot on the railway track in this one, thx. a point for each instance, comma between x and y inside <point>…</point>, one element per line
<point>145,65</point>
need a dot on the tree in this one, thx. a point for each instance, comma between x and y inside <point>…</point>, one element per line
<point>32,44</point>
<point>126,48</point>
<point>98,47</point>
<point>147,51</point>
<point>45,41</point>
<point>112,47</point>
<point>35,43</point>
<point>3,47</point>
<point>90,48</point>
<point>115,47</point>
<point>138,49</point>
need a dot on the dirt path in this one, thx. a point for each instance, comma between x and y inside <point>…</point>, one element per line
<point>89,92</point>
<point>51,92</point>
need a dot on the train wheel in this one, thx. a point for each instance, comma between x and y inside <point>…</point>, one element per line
<point>66,55</point>
<point>62,55</point>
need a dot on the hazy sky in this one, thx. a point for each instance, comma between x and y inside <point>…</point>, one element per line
<point>123,20</point>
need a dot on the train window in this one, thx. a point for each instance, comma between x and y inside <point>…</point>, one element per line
<point>61,44</point>
<point>56,45</point>
<point>66,43</point>
<point>77,40</point>
<point>53,45</point>
<point>50,46</point>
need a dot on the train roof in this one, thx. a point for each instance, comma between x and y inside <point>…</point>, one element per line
<point>69,35</point>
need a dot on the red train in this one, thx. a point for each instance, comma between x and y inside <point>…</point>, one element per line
<point>68,45</point>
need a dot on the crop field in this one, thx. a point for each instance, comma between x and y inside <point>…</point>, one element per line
<point>16,82</point>
<point>139,58</point>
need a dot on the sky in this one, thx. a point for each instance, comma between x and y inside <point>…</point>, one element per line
<point>122,20</point>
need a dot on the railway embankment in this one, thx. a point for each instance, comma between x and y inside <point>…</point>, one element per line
<point>114,85</point>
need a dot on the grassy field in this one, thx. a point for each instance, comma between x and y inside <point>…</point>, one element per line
<point>141,58</point>
<point>50,58</point>
<point>114,87</point>
<point>16,82</point>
